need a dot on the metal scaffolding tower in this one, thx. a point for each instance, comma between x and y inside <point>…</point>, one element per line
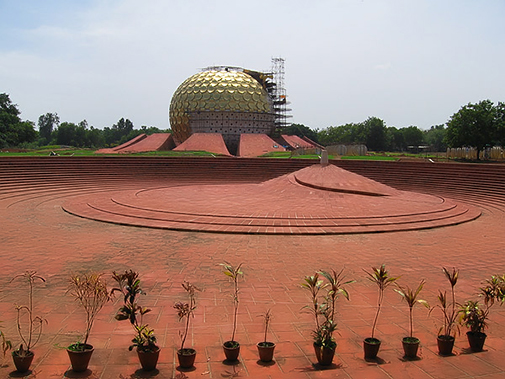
<point>278,95</point>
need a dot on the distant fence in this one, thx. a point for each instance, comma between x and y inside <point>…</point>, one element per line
<point>347,150</point>
<point>333,150</point>
<point>493,153</point>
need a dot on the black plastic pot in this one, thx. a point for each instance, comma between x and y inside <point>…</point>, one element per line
<point>324,354</point>
<point>476,340</point>
<point>231,350</point>
<point>186,357</point>
<point>371,347</point>
<point>410,346</point>
<point>445,345</point>
<point>79,359</point>
<point>266,351</point>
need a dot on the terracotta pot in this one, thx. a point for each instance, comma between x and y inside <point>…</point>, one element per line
<point>476,340</point>
<point>324,354</point>
<point>148,359</point>
<point>186,357</point>
<point>80,359</point>
<point>371,347</point>
<point>22,363</point>
<point>266,351</point>
<point>410,346</point>
<point>445,344</point>
<point>231,350</point>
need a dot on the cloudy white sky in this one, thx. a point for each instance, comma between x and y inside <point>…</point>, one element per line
<point>409,62</point>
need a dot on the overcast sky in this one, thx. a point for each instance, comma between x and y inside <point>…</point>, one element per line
<point>406,62</point>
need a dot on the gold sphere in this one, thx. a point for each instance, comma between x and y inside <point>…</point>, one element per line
<point>216,91</point>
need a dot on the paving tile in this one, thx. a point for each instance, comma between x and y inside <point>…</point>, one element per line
<point>37,234</point>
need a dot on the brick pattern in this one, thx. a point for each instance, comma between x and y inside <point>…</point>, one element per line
<point>37,234</point>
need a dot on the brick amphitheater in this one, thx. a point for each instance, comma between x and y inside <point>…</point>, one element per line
<point>457,220</point>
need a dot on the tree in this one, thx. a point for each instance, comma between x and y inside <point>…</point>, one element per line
<point>375,134</point>
<point>47,124</point>
<point>413,136</point>
<point>13,131</point>
<point>114,134</point>
<point>500,124</point>
<point>475,125</point>
<point>435,137</point>
<point>394,139</point>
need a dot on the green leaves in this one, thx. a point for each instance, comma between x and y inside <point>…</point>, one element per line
<point>451,276</point>
<point>129,286</point>
<point>323,308</point>
<point>410,295</point>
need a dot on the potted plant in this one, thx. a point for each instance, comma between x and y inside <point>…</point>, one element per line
<point>323,310</point>
<point>23,356</point>
<point>185,311</point>
<point>474,316</point>
<point>266,348</point>
<point>411,343</point>
<point>90,290</point>
<point>380,277</point>
<point>144,340</point>
<point>232,348</point>
<point>447,333</point>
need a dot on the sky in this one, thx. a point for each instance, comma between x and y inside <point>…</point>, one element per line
<point>408,62</point>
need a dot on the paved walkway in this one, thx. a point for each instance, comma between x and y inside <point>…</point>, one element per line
<point>37,235</point>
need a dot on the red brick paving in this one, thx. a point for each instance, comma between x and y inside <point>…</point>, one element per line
<point>315,200</point>
<point>255,145</point>
<point>36,234</point>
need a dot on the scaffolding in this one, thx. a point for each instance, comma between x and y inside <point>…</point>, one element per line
<point>277,93</point>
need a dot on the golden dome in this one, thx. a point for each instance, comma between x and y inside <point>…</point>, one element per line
<point>216,90</point>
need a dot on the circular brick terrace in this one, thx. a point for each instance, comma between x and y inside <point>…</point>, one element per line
<point>38,234</point>
<point>314,200</point>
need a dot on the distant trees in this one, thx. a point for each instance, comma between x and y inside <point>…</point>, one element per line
<point>47,124</point>
<point>477,125</point>
<point>13,131</point>
<point>373,133</point>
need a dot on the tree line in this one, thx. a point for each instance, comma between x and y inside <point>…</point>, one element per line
<point>15,132</point>
<point>478,125</point>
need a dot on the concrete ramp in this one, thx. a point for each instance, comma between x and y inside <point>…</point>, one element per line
<point>255,145</point>
<point>153,142</point>
<point>211,142</point>
<point>143,143</point>
<point>296,142</point>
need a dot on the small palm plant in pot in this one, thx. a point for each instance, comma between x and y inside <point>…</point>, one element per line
<point>411,343</point>
<point>266,348</point>
<point>144,340</point>
<point>23,356</point>
<point>447,333</point>
<point>232,348</point>
<point>379,276</point>
<point>185,311</point>
<point>323,309</point>
<point>474,315</point>
<point>90,290</point>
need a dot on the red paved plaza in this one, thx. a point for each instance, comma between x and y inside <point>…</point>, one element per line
<point>37,234</point>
